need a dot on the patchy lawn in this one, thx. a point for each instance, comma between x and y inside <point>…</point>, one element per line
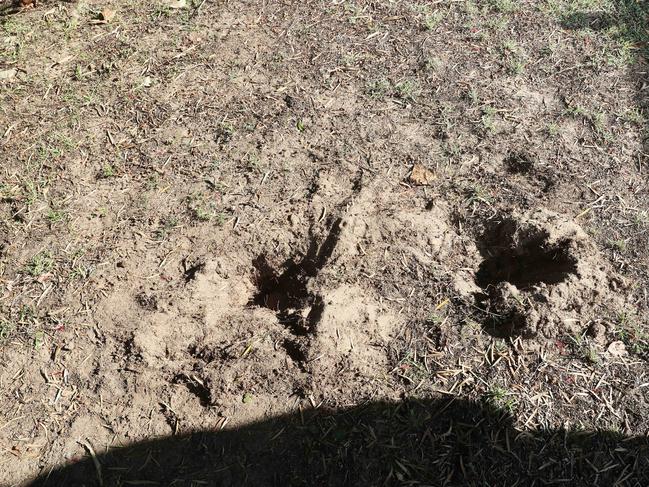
<point>215,213</point>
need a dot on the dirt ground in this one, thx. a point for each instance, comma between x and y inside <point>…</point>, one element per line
<point>214,213</point>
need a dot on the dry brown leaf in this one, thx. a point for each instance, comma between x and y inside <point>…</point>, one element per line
<point>421,175</point>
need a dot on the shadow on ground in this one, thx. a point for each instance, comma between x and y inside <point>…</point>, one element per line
<point>629,17</point>
<point>433,442</point>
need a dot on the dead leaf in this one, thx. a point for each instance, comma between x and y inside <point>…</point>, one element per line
<point>421,175</point>
<point>617,349</point>
<point>108,15</point>
<point>6,74</point>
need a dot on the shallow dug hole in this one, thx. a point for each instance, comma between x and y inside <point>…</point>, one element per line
<point>523,260</point>
<point>286,290</point>
<point>540,276</point>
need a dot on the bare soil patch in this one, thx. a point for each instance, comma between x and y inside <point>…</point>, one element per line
<point>314,234</point>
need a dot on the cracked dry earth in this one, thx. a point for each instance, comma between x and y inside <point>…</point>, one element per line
<point>209,217</point>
